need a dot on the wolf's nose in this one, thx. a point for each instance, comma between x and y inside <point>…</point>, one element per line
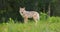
<point>21,12</point>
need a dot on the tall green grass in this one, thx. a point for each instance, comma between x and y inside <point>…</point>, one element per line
<point>52,24</point>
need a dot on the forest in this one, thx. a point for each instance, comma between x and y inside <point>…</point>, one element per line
<point>10,8</point>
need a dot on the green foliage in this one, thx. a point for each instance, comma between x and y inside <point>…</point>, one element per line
<point>11,20</point>
<point>42,26</point>
<point>43,16</point>
<point>54,19</point>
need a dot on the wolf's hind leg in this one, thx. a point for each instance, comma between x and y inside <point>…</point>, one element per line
<point>35,19</point>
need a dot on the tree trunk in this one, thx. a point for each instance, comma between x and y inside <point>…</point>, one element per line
<point>48,10</point>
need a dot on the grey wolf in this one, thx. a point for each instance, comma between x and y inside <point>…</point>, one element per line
<point>29,14</point>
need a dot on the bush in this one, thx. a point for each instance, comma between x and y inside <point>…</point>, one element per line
<point>43,16</point>
<point>54,19</point>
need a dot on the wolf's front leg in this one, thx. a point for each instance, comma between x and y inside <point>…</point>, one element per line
<point>25,19</point>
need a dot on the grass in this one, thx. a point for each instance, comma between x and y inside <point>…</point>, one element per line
<point>50,25</point>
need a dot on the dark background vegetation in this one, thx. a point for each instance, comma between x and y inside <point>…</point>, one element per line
<point>10,8</point>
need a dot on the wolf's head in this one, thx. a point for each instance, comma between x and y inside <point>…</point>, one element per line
<point>22,10</point>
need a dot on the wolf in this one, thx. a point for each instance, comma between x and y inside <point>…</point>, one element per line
<point>29,14</point>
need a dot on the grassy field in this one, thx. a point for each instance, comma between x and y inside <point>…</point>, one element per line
<point>50,25</point>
